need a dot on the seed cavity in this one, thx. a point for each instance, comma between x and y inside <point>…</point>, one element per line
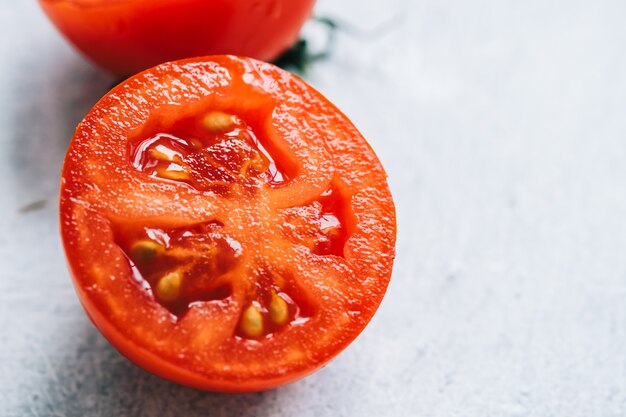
<point>252,322</point>
<point>168,287</point>
<point>180,266</point>
<point>322,226</point>
<point>219,122</point>
<point>210,151</point>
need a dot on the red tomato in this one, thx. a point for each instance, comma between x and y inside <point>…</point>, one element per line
<point>225,225</point>
<point>127,36</point>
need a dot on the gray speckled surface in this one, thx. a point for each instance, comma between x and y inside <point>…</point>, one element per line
<point>501,124</point>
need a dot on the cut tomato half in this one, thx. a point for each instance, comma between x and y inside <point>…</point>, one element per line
<point>225,225</point>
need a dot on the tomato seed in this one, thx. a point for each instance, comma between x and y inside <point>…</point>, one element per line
<point>174,175</point>
<point>279,311</point>
<point>145,251</point>
<point>252,322</point>
<point>168,288</point>
<point>218,122</point>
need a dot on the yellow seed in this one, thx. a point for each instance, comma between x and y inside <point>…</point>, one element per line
<point>175,175</point>
<point>168,287</point>
<point>217,121</point>
<point>145,251</point>
<point>252,322</point>
<point>161,156</point>
<point>279,311</point>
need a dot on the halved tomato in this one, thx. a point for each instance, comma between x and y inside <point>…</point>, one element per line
<point>226,226</point>
<point>127,36</point>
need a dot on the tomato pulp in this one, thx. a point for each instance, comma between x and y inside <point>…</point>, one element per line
<point>225,225</point>
<point>127,36</point>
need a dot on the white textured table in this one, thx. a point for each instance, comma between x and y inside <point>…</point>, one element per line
<point>502,126</point>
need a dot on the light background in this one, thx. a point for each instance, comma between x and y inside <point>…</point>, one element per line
<point>502,125</point>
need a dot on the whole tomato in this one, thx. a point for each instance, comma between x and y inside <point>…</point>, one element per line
<point>127,36</point>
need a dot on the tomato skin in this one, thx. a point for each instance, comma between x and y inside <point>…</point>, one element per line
<point>103,194</point>
<point>126,37</point>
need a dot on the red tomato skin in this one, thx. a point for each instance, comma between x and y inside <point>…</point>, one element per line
<point>359,155</point>
<point>126,37</point>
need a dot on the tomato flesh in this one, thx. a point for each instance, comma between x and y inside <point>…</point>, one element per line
<point>226,227</point>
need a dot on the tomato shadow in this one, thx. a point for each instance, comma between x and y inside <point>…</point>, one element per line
<point>93,379</point>
<point>52,100</point>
